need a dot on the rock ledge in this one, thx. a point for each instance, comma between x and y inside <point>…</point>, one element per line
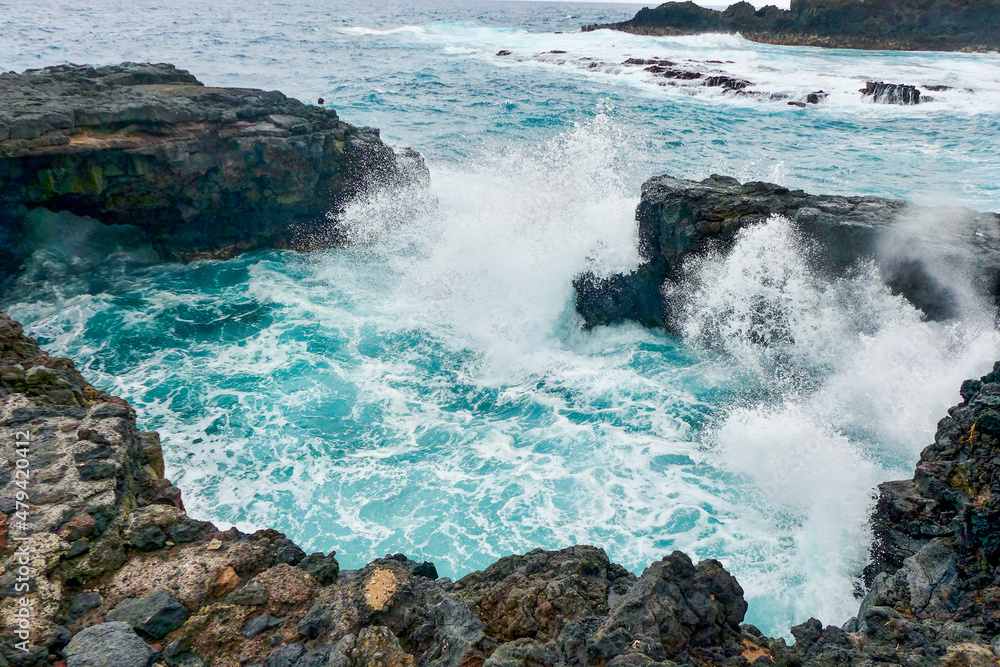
<point>200,171</point>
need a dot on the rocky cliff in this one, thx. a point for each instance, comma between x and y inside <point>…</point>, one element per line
<point>937,25</point>
<point>678,218</point>
<point>100,566</point>
<point>199,171</point>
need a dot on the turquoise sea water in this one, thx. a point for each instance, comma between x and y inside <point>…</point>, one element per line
<point>430,390</point>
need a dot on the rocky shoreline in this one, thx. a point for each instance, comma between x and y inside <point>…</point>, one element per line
<point>679,218</point>
<point>198,171</point>
<point>939,25</point>
<point>102,567</point>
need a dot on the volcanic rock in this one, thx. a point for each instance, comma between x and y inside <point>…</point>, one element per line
<point>200,171</point>
<point>937,25</point>
<point>679,218</point>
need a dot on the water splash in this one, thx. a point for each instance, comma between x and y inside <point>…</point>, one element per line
<point>844,382</point>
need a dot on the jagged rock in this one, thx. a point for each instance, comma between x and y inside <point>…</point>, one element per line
<point>155,614</point>
<point>936,547</point>
<point>678,606</point>
<point>678,218</point>
<point>109,645</point>
<point>287,552</point>
<point>535,594</point>
<point>259,624</point>
<point>938,25</point>
<point>200,171</point>
<point>248,596</point>
<point>315,621</point>
<point>323,568</point>
<point>891,93</point>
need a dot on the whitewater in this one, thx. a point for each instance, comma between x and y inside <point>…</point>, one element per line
<point>430,389</point>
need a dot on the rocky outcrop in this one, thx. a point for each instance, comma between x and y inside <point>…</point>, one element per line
<point>199,171</point>
<point>937,536</point>
<point>934,595</point>
<point>689,75</point>
<point>679,218</point>
<point>100,566</point>
<point>892,93</point>
<point>938,25</point>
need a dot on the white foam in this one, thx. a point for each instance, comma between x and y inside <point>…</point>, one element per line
<point>851,382</point>
<point>364,31</point>
<point>429,390</point>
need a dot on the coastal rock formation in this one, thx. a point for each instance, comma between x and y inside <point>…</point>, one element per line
<point>678,218</point>
<point>688,75</point>
<point>200,171</point>
<point>892,93</point>
<point>101,566</point>
<point>938,25</point>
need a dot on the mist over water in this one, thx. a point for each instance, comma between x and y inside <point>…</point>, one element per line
<point>429,390</point>
<point>843,384</point>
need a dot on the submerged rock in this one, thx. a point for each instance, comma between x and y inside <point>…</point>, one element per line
<point>680,218</point>
<point>199,171</point>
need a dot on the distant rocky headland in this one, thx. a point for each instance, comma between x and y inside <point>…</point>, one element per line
<point>199,171</point>
<point>912,25</point>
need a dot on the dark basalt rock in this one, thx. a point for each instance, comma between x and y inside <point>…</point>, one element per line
<point>533,595</point>
<point>892,93</point>
<point>154,615</point>
<point>200,171</point>
<point>109,645</point>
<point>938,25</point>
<point>678,218</point>
<point>726,82</point>
<point>677,607</point>
<point>259,624</point>
<point>946,519</point>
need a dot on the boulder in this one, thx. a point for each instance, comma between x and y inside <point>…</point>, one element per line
<point>109,645</point>
<point>678,607</point>
<point>534,595</point>
<point>154,615</point>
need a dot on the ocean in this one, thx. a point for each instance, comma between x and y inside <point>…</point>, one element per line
<point>430,390</point>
